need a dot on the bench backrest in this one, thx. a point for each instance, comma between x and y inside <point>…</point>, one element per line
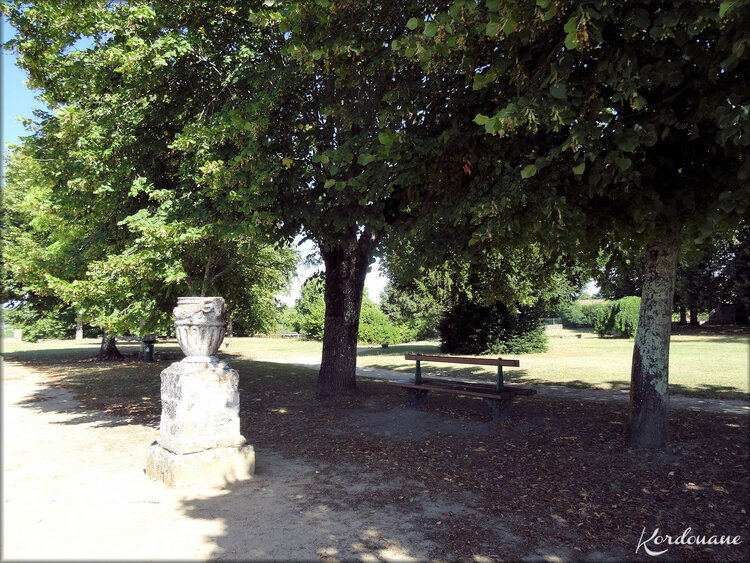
<point>460,360</point>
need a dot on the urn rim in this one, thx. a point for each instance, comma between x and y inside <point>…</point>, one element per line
<point>181,300</point>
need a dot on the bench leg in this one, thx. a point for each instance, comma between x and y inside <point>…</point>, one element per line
<point>416,396</point>
<point>499,407</point>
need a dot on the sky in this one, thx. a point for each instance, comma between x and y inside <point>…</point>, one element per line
<point>18,102</point>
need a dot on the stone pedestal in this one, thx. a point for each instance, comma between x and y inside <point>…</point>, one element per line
<point>199,434</point>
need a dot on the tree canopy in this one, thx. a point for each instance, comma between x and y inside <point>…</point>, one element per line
<point>626,126</point>
<point>132,227</point>
<point>475,126</point>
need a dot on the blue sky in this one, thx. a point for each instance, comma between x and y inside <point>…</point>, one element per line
<point>19,101</point>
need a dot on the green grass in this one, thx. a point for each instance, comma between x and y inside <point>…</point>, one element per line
<point>701,363</point>
<point>272,348</point>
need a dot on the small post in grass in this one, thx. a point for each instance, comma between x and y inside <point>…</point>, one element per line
<point>499,385</point>
<point>418,372</point>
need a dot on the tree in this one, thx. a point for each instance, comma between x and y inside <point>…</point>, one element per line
<point>130,225</point>
<point>624,124</point>
<point>413,306</point>
<point>288,117</point>
<point>309,317</point>
<point>334,134</point>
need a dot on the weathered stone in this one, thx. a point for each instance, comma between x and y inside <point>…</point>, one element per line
<point>216,466</point>
<point>200,407</point>
<point>199,433</point>
<point>200,324</point>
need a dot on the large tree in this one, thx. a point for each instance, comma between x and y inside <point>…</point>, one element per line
<point>625,124</point>
<point>253,117</point>
<point>333,134</point>
<point>129,229</point>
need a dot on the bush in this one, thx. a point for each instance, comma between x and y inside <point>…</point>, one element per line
<point>589,312</point>
<point>618,318</point>
<point>476,329</point>
<point>374,326</point>
<point>626,319</point>
<point>577,315</point>
<point>604,321</point>
<point>572,315</point>
<point>38,322</point>
<point>308,317</point>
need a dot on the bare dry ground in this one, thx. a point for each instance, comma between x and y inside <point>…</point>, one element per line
<point>369,478</point>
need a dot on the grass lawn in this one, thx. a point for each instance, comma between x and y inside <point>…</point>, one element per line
<point>704,364</point>
<point>700,364</point>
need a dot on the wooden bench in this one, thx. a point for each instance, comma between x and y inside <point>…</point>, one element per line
<point>498,396</point>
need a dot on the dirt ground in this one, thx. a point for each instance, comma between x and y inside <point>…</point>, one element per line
<point>367,479</point>
<point>74,488</point>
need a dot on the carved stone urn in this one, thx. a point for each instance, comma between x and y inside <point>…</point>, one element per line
<point>200,324</point>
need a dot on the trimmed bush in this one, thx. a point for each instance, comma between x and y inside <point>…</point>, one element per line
<point>476,329</point>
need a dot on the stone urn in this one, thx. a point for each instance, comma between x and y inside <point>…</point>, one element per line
<point>200,324</point>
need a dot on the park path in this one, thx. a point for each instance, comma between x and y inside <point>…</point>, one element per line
<point>726,406</point>
<point>74,488</point>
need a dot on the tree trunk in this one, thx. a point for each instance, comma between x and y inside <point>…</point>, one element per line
<point>649,377</point>
<point>694,316</point>
<point>683,315</point>
<point>346,268</point>
<point>108,350</point>
<point>79,329</point>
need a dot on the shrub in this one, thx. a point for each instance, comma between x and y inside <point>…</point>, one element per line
<point>308,317</point>
<point>572,315</point>
<point>604,321</point>
<point>626,319</point>
<point>589,311</point>
<point>38,322</point>
<point>618,318</point>
<point>474,329</point>
<point>374,325</point>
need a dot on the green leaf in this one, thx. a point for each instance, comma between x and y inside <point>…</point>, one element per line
<point>528,171</point>
<point>329,183</point>
<point>571,41</point>
<point>430,29</point>
<point>492,29</point>
<point>623,163</point>
<point>365,159</point>
<point>481,119</point>
<point>386,138</point>
<point>578,170</point>
<point>571,25</point>
<point>550,13</point>
<point>628,144</point>
<point>413,23</point>
<point>317,54</point>
<point>558,91</point>
<point>638,102</point>
<point>725,6</point>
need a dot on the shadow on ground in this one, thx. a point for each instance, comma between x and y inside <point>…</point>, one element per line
<point>368,475</point>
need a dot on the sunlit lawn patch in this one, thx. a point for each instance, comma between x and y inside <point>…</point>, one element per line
<point>700,364</point>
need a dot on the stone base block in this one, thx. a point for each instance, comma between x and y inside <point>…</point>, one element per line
<point>216,466</point>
